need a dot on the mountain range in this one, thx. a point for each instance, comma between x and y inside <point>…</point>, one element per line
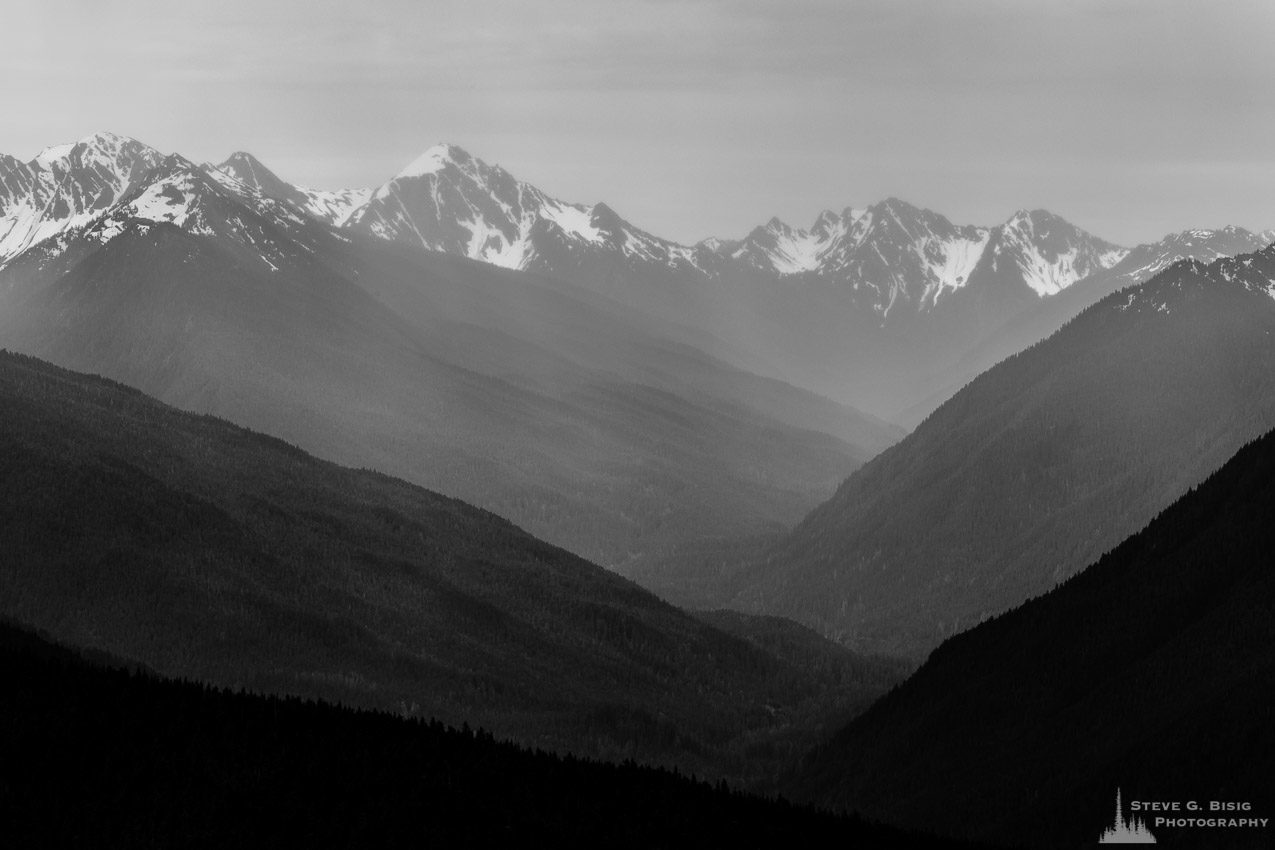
<point>885,307</point>
<point>575,417</point>
<point>886,297</point>
<point>609,394</point>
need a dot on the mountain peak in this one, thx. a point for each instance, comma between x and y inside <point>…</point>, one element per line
<point>176,162</point>
<point>102,141</point>
<point>433,160</point>
<point>106,139</point>
<point>1039,217</point>
<point>241,159</point>
<point>896,205</point>
<point>250,171</point>
<point>826,219</point>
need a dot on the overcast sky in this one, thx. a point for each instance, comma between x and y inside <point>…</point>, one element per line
<point>693,118</point>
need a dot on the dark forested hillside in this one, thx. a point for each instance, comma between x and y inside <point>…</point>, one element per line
<point>201,549</point>
<point>96,757</point>
<point>1037,467</point>
<point>1152,671</point>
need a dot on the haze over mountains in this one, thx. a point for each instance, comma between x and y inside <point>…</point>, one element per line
<point>625,363</point>
<point>607,391</point>
<point>1038,466</point>
<point>871,306</point>
<point>203,550</point>
<point>885,307</point>
<point>571,415</point>
<point>1140,264</point>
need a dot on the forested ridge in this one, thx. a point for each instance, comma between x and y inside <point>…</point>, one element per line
<point>204,550</point>
<point>97,757</point>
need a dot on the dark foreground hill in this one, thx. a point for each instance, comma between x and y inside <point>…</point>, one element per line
<point>97,757</point>
<point>1153,671</point>
<point>205,550</point>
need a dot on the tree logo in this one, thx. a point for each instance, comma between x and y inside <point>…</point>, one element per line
<point>1126,830</point>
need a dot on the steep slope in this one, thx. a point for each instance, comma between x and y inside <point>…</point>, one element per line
<point>1045,253</point>
<point>520,394</point>
<point>1038,466</point>
<point>1153,671</point>
<point>332,207</point>
<point>203,550</point>
<point>1030,326</point>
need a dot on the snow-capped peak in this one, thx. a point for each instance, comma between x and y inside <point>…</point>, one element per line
<point>1049,252</point>
<point>248,169</point>
<point>432,161</point>
<point>449,201</point>
<point>102,149</point>
<point>66,186</point>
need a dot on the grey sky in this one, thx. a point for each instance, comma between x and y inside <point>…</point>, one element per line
<point>693,117</point>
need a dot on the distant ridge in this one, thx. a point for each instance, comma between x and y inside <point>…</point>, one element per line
<point>1037,466</point>
<point>203,550</point>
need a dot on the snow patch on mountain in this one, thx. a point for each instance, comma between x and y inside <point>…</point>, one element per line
<point>334,206</point>
<point>1049,277</point>
<point>66,187</point>
<point>785,250</point>
<point>172,201</point>
<point>1147,260</point>
<point>951,268</point>
<point>574,220</point>
<point>449,201</point>
<point>53,154</point>
<point>1051,254</point>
